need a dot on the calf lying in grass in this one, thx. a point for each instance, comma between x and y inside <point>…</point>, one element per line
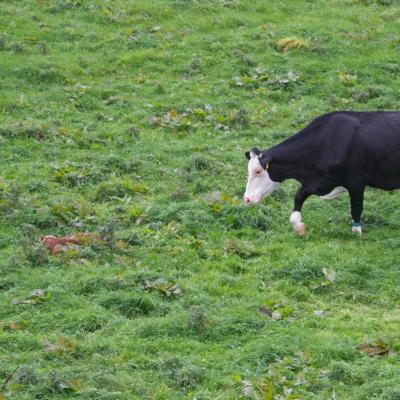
<point>336,152</point>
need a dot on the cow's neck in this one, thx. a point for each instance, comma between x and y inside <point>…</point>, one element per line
<point>291,159</point>
<point>293,150</point>
<point>280,171</point>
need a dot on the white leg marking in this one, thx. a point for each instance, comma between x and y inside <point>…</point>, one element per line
<point>356,229</point>
<point>295,217</point>
<point>335,193</point>
<point>295,220</point>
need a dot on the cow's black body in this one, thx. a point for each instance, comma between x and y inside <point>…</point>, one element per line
<point>349,149</point>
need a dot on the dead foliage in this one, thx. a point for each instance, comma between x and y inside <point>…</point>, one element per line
<point>291,43</point>
<point>57,245</point>
<point>377,347</point>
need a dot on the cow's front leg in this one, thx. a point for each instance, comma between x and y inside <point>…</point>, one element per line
<point>295,218</point>
<point>356,201</point>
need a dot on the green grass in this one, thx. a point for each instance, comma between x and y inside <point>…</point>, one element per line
<point>125,118</point>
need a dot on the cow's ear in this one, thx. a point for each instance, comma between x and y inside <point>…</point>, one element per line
<point>252,153</point>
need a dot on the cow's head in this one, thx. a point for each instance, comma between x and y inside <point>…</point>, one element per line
<point>259,183</point>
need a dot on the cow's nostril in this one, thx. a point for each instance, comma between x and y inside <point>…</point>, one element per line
<point>247,200</point>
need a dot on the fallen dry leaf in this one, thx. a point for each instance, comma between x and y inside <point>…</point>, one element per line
<point>291,43</point>
<point>57,245</point>
<point>377,347</point>
<point>11,326</point>
<point>54,245</point>
<point>61,346</point>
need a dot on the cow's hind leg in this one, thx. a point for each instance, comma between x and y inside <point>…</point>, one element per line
<point>356,202</point>
<point>295,217</point>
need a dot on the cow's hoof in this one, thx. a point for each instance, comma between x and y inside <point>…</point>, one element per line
<point>300,229</point>
<point>356,227</point>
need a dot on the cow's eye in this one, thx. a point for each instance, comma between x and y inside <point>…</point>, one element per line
<point>258,172</point>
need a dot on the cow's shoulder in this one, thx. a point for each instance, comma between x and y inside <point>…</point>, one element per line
<point>344,118</point>
<point>336,141</point>
<point>332,123</point>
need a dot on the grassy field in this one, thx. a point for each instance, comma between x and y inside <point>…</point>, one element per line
<point>130,119</point>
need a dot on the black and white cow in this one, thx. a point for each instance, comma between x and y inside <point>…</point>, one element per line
<point>336,152</point>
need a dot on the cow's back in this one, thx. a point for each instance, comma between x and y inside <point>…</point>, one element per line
<point>366,144</point>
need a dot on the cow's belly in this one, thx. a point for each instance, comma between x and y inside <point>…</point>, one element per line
<point>385,184</point>
<point>386,177</point>
<point>383,165</point>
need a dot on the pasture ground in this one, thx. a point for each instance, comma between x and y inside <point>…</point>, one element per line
<point>130,119</point>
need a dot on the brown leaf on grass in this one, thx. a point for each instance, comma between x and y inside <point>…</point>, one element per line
<point>377,347</point>
<point>57,245</point>
<point>372,350</point>
<point>12,326</point>
<point>61,346</point>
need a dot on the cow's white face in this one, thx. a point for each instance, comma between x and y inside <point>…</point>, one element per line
<point>259,184</point>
